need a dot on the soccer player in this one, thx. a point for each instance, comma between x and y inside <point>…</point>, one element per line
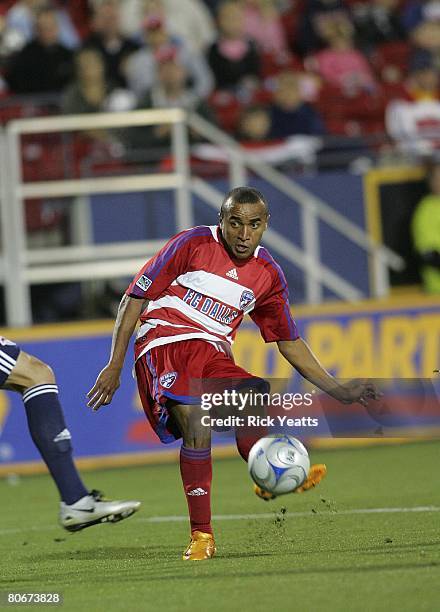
<point>191,298</point>
<point>35,381</point>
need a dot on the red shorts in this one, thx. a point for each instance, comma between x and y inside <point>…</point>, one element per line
<point>182,371</point>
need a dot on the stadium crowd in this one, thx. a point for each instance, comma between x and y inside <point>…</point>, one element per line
<point>263,70</point>
<point>290,79</point>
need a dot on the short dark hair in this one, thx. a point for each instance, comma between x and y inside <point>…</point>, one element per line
<point>243,195</point>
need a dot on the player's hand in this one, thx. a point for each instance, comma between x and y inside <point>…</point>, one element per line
<point>107,383</point>
<point>360,391</point>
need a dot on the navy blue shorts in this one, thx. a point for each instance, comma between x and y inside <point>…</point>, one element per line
<point>9,352</point>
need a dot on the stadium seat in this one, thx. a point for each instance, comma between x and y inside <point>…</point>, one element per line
<point>43,157</point>
<point>360,114</point>
<point>226,108</point>
<point>5,6</point>
<point>42,216</point>
<point>79,12</point>
<point>291,20</point>
<point>395,55</point>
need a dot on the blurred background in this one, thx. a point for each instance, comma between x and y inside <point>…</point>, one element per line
<point>125,122</point>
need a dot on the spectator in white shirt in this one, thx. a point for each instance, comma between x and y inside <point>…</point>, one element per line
<point>20,24</point>
<point>141,66</point>
<point>190,20</point>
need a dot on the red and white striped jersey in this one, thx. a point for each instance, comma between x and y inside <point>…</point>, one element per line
<point>198,290</point>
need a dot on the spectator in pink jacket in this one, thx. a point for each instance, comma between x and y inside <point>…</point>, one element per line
<point>340,63</point>
<point>233,57</point>
<point>263,24</point>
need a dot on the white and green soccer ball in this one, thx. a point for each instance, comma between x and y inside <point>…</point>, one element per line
<point>278,463</point>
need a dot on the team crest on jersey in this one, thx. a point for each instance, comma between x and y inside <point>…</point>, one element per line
<point>246,298</point>
<point>143,282</point>
<point>167,380</point>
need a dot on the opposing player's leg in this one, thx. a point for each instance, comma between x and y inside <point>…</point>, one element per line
<point>196,473</point>
<point>35,381</point>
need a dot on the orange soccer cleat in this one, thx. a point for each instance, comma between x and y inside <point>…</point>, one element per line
<point>201,546</point>
<point>316,474</point>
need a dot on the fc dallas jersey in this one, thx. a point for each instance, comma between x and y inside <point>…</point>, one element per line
<point>196,289</point>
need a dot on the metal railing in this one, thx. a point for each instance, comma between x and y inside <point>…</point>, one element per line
<point>313,209</point>
<point>22,267</point>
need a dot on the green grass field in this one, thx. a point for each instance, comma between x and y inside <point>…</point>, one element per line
<point>318,555</point>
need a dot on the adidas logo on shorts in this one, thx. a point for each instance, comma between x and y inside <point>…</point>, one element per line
<point>198,491</point>
<point>232,274</point>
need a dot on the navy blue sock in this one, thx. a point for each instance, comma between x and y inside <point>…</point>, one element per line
<point>52,438</point>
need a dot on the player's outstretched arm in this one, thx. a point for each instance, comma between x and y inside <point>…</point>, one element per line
<point>301,357</point>
<point>108,380</point>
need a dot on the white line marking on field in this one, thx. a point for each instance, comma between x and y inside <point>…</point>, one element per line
<point>244,517</point>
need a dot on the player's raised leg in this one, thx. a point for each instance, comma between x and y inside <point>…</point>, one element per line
<point>247,436</point>
<point>196,472</point>
<point>246,440</point>
<point>35,381</point>
<point>316,473</point>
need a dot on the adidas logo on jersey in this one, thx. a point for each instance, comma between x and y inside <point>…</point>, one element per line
<point>198,491</point>
<point>232,274</point>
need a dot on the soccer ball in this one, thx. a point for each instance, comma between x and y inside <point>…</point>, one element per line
<point>278,463</point>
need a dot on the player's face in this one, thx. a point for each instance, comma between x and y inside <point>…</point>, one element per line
<point>242,228</point>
